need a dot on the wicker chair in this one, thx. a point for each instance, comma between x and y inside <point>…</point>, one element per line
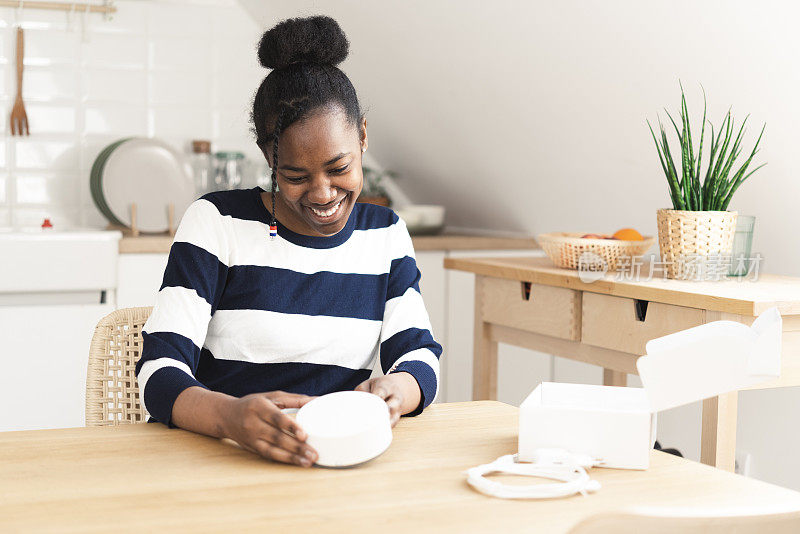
<point>112,394</point>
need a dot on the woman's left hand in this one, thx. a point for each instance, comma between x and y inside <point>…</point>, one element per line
<point>399,390</point>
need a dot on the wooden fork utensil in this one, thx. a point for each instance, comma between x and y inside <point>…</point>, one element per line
<point>19,119</point>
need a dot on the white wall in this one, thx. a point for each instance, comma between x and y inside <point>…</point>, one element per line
<point>174,69</point>
<point>530,116</point>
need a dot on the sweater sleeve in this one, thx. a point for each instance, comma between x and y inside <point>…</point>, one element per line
<point>407,343</point>
<point>175,332</point>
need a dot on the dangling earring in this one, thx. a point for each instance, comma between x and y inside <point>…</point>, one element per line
<point>273,226</point>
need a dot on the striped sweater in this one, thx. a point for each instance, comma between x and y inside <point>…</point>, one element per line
<point>241,313</point>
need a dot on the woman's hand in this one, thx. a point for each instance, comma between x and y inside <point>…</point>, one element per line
<point>399,390</point>
<point>256,423</point>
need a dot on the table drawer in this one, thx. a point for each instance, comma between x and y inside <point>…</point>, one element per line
<point>627,324</point>
<point>554,311</point>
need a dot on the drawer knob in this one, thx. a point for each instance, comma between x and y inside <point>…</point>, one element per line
<point>641,309</point>
<point>526,291</point>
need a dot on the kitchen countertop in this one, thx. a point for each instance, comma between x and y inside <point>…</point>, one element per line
<point>159,244</point>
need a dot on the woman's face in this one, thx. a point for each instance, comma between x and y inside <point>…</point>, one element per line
<point>319,172</point>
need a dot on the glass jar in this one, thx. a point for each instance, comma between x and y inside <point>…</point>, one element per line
<point>263,175</point>
<point>202,168</point>
<point>228,170</point>
<point>741,261</point>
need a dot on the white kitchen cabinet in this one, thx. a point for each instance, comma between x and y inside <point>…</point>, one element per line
<point>433,286</point>
<point>44,358</point>
<point>140,277</point>
<point>52,296</point>
<point>519,370</point>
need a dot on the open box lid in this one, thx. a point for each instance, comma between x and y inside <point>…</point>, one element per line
<point>710,360</point>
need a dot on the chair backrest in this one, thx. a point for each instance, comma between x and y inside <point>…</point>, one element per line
<point>635,523</point>
<point>112,393</point>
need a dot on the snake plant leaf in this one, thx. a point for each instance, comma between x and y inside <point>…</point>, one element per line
<point>717,176</point>
<point>698,186</point>
<point>672,175</point>
<point>691,189</point>
<point>708,199</point>
<point>673,186</point>
<point>736,186</point>
<point>740,176</point>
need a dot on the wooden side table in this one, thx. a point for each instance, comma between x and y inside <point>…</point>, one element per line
<point>532,304</point>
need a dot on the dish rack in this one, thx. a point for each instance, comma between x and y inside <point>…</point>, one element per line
<point>569,250</point>
<point>134,231</point>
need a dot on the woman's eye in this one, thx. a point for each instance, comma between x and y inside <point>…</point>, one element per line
<point>294,179</point>
<point>341,170</point>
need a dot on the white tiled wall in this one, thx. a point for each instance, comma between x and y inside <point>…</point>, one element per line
<point>173,69</point>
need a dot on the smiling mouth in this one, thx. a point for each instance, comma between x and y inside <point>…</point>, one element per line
<point>327,214</point>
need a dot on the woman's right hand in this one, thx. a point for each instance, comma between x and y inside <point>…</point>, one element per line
<point>257,423</point>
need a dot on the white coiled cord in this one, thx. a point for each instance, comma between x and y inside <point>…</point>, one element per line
<point>554,464</point>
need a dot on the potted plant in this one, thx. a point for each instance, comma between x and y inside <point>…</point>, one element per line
<point>373,191</point>
<point>696,235</point>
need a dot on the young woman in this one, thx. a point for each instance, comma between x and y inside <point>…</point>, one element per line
<point>247,323</point>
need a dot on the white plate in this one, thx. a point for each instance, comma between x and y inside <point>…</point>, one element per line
<point>346,428</point>
<point>152,174</point>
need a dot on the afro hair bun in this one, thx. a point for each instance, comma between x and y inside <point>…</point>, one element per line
<point>317,40</point>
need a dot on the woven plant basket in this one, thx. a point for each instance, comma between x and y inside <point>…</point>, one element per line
<point>571,251</point>
<point>695,244</point>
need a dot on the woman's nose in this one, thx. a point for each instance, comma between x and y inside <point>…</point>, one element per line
<point>322,191</point>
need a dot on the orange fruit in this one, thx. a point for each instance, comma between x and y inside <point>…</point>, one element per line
<point>628,234</point>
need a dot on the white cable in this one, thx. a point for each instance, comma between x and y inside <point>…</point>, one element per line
<point>555,464</point>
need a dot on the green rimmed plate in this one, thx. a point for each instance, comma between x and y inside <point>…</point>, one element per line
<point>145,171</point>
<point>94,181</point>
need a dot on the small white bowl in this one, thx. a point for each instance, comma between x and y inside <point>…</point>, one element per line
<point>409,216</point>
<point>347,427</point>
<point>422,218</point>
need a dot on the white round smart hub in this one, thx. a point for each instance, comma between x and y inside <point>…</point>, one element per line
<point>347,427</point>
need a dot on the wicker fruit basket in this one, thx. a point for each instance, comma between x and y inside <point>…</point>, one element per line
<point>565,249</point>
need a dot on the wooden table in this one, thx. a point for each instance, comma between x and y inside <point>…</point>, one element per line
<point>148,478</point>
<point>530,303</point>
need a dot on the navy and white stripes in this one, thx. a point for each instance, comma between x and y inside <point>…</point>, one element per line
<point>241,313</point>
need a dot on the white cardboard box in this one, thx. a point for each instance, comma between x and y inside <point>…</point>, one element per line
<point>618,425</point>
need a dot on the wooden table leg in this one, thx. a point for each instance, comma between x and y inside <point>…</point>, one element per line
<point>718,442</point>
<point>484,357</point>
<point>614,378</point>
